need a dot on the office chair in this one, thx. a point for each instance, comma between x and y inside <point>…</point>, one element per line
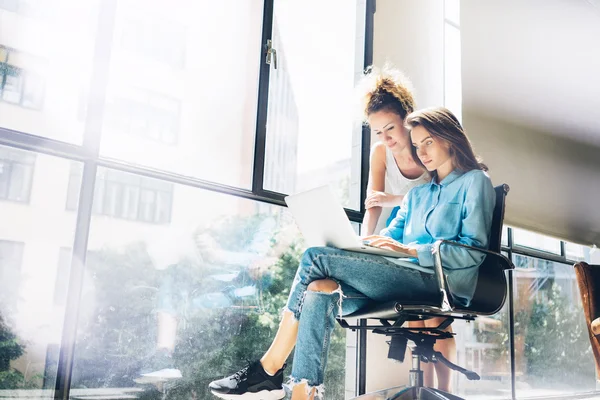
<point>490,295</point>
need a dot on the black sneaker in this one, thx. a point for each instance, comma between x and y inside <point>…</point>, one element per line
<point>251,382</point>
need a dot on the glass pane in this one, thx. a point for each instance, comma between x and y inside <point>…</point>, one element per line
<point>504,236</point>
<point>16,174</point>
<point>123,195</point>
<point>483,346</point>
<point>182,91</point>
<point>312,140</point>
<point>536,241</point>
<point>553,354</point>
<point>452,11</point>
<point>46,58</point>
<point>35,259</point>
<point>186,301</point>
<point>452,70</point>
<point>577,252</point>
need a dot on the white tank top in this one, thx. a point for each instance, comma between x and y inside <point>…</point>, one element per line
<point>395,183</point>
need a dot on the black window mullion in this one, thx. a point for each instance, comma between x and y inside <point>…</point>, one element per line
<point>361,348</point>
<point>263,104</point>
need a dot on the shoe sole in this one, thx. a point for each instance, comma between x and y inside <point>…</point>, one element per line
<point>262,395</point>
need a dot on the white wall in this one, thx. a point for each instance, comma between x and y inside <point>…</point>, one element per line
<point>410,35</point>
<point>555,182</point>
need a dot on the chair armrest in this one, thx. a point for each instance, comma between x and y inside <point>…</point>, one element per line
<point>439,271</point>
<point>595,325</point>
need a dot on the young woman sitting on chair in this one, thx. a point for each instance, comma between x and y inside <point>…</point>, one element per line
<point>456,205</point>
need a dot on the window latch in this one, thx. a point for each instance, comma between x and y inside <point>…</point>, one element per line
<point>271,54</point>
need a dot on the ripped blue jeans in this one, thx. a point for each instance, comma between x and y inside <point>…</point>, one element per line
<point>361,278</point>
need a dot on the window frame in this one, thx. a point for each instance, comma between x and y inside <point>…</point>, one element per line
<point>88,153</point>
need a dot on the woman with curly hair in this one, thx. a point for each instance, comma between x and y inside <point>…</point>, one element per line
<point>387,99</point>
<point>456,205</point>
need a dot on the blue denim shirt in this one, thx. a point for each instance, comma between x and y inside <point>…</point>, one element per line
<point>459,208</point>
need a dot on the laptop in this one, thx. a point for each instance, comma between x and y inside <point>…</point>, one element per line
<point>323,222</point>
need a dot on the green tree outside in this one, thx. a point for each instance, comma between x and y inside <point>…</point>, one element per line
<point>119,332</point>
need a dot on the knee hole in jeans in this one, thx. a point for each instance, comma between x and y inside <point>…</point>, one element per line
<point>323,285</point>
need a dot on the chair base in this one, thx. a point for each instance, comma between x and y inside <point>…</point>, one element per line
<point>423,393</point>
<point>408,393</point>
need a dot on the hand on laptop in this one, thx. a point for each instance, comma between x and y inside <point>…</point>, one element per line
<point>384,242</point>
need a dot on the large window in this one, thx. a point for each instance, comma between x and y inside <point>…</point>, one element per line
<point>552,353</point>
<point>313,138</point>
<point>536,241</point>
<point>46,58</point>
<point>552,348</point>
<point>483,346</point>
<point>183,82</point>
<point>187,302</point>
<point>34,272</point>
<point>16,174</point>
<point>183,256</point>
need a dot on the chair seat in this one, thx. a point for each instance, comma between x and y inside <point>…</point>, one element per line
<point>391,310</point>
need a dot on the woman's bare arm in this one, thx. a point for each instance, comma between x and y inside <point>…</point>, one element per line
<point>376,183</point>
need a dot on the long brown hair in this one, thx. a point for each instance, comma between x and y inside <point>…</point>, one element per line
<point>442,125</point>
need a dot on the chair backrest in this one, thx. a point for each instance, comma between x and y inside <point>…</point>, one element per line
<point>498,218</point>
<point>490,292</point>
<point>588,280</point>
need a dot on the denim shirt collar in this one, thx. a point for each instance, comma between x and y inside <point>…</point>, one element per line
<point>452,176</point>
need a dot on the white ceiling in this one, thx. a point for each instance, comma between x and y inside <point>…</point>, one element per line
<point>530,73</point>
<point>534,62</point>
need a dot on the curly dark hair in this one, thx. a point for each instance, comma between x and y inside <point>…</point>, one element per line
<point>386,89</point>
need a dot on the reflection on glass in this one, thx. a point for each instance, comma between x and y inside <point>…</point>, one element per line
<point>483,346</point>
<point>35,257</point>
<point>535,241</point>
<point>313,138</point>
<point>123,195</point>
<point>46,58</point>
<point>167,106</point>
<point>16,174</point>
<point>552,348</point>
<point>166,308</point>
<point>577,252</point>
